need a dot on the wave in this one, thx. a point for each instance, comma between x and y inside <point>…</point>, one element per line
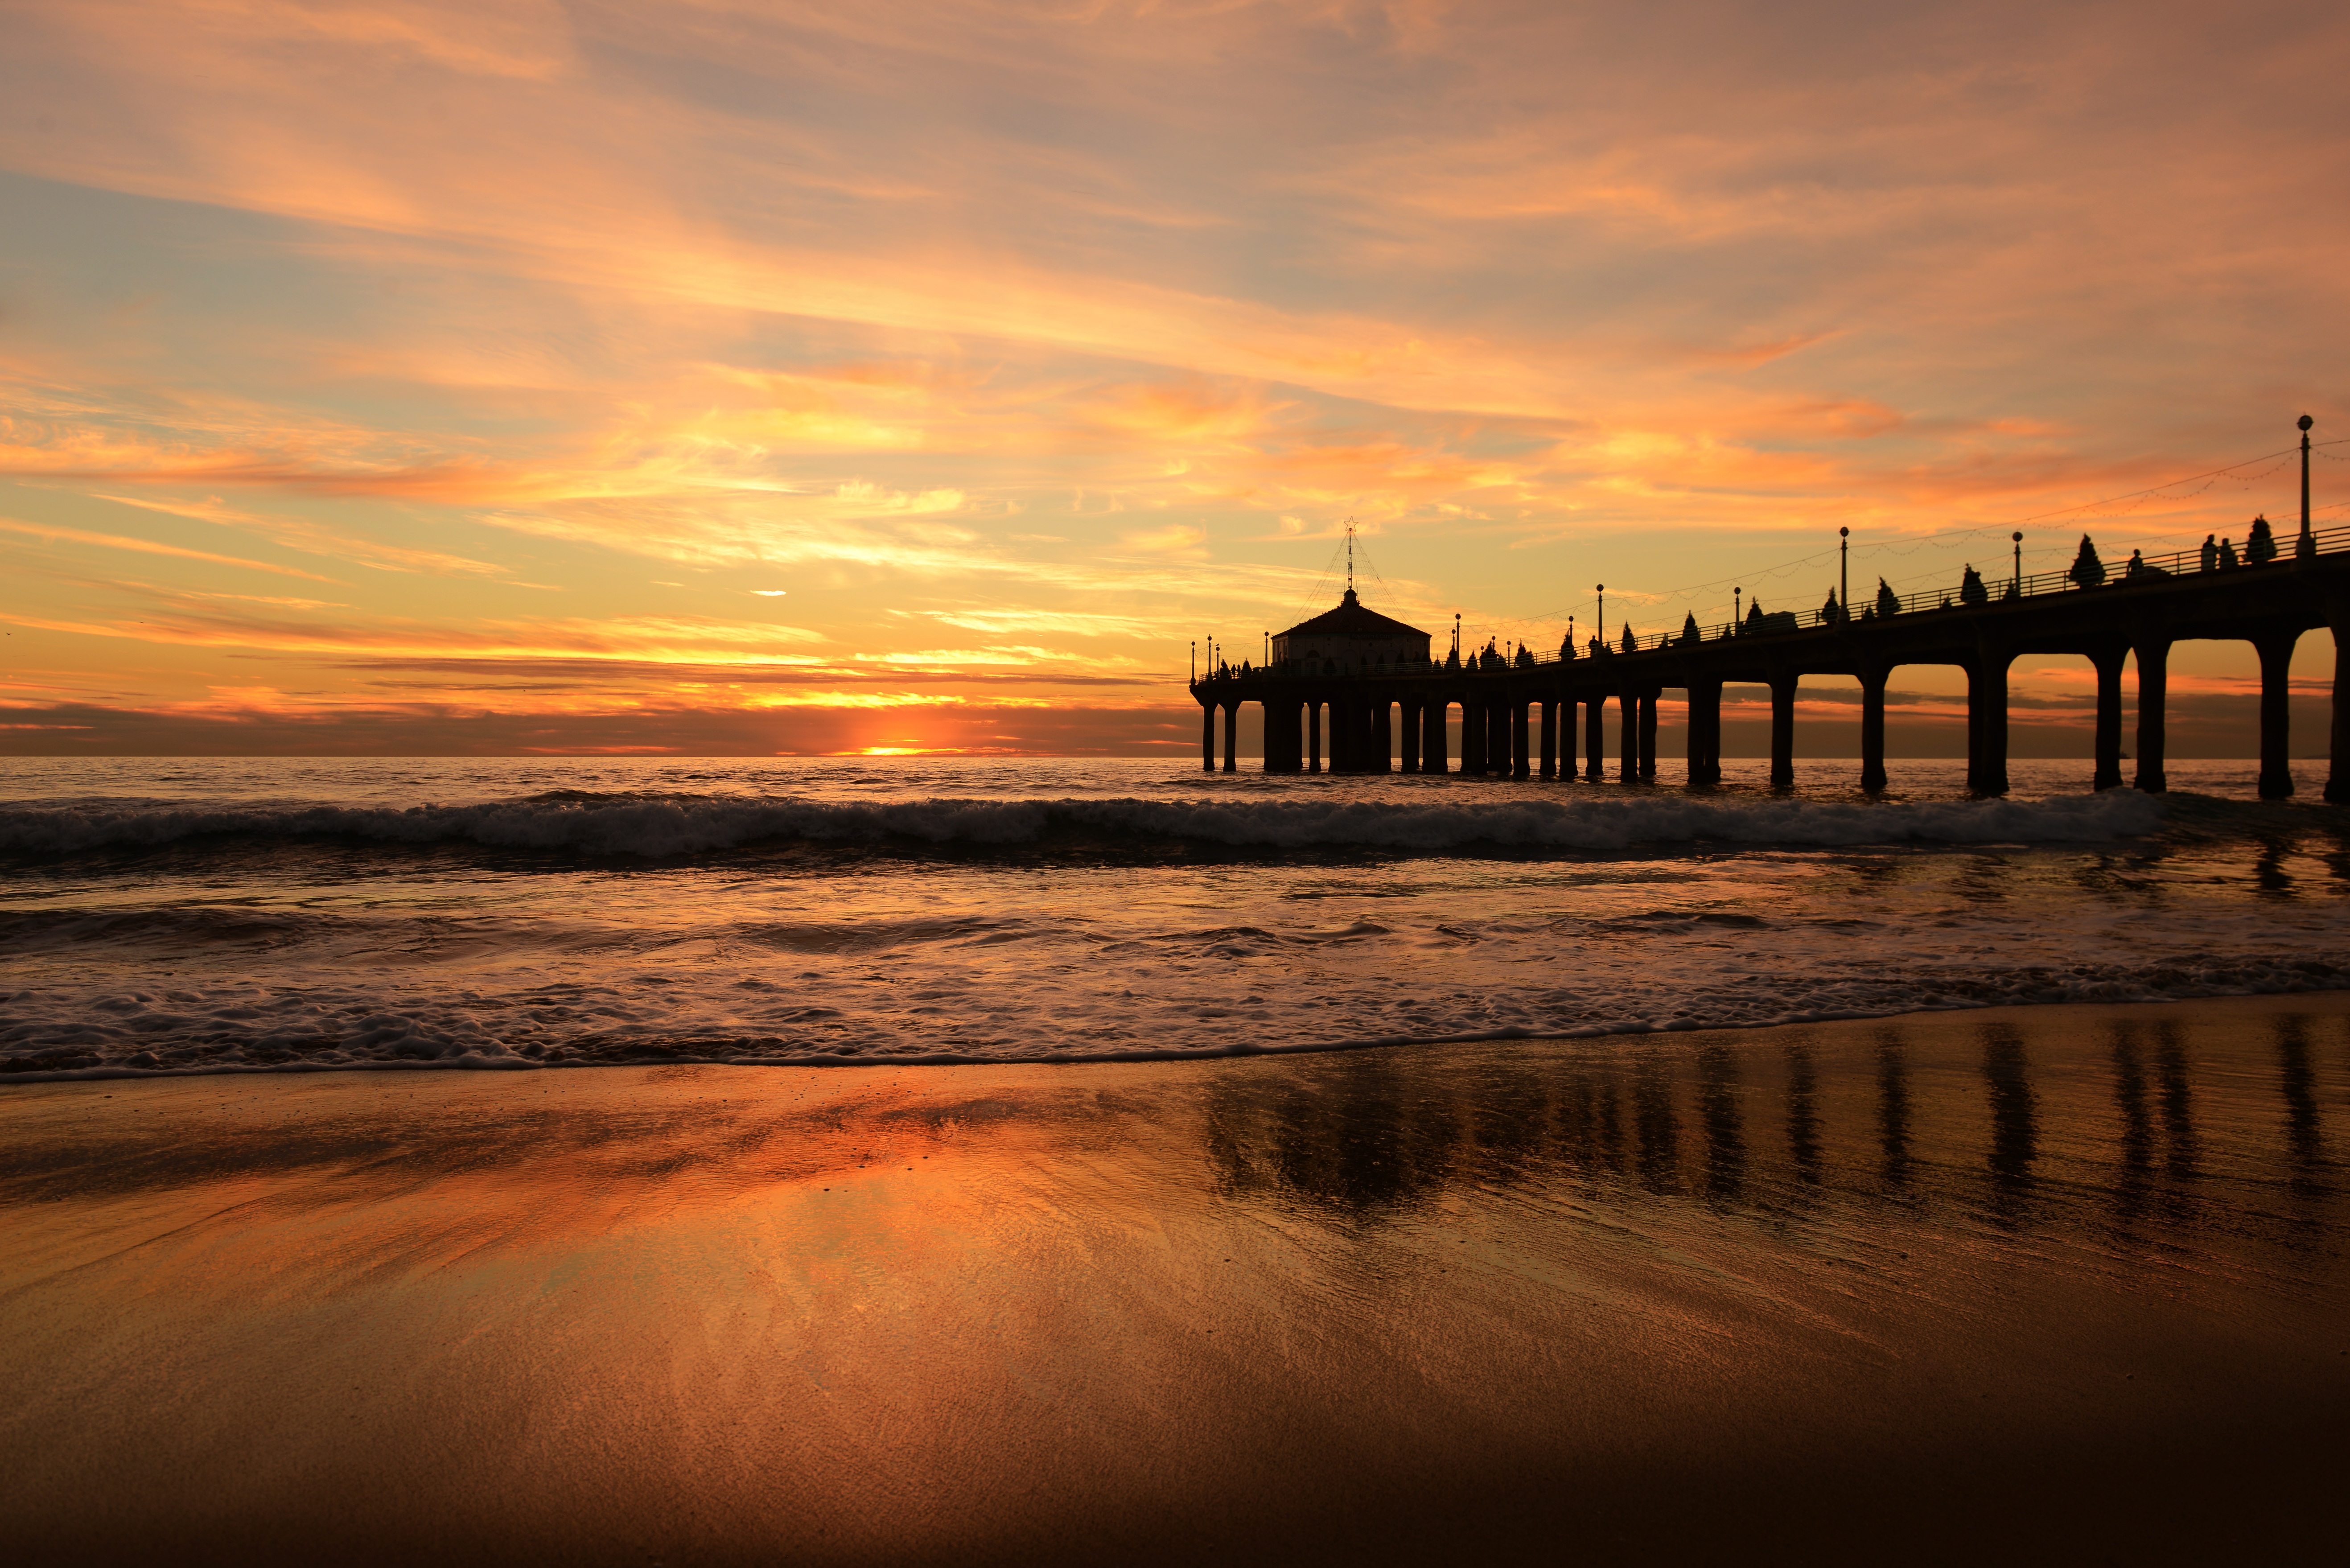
<point>658,826</point>
<point>246,1030</point>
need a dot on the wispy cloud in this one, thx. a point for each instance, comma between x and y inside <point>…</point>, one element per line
<point>52,532</point>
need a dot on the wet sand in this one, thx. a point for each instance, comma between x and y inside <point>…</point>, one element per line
<point>2043,1284</point>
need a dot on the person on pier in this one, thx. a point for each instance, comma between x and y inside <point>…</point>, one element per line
<point>2086,571</point>
<point>2260,544</point>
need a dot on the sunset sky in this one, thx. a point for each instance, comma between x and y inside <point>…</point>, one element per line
<point>754,379</point>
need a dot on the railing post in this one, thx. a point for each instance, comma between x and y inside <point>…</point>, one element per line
<point>2276,714</point>
<point>2153,691</point>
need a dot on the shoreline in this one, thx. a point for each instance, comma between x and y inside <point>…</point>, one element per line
<point>476,1062</point>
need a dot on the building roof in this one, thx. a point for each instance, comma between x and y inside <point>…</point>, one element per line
<point>1351,619</point>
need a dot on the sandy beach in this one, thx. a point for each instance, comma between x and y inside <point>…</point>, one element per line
<point>2045,1284</point>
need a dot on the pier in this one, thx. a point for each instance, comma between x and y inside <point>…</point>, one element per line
<point>1351,691</point>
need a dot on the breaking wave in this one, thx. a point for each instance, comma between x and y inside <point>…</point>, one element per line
<point>669,824</point>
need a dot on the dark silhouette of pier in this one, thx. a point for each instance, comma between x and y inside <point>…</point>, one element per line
<point>1351,691</point>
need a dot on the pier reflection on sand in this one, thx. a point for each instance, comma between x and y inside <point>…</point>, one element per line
<point>2119,1135</point>
<point>2033,1282</point>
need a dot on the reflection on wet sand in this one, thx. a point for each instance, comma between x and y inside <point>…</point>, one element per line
<point>1838,1282</point>
<point>1979,1130</point>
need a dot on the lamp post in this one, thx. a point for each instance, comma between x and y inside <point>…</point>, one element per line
<point>1737,604</point>
<point>2306,546</point>
<point>1844,573</point>
<point>2018,537</point>
<point>1602,591</point>
<point>1195,661</point>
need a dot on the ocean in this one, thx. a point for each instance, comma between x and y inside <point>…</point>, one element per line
<point>274,915</point>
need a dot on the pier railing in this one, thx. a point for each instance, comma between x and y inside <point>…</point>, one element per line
<point>1929,601</point>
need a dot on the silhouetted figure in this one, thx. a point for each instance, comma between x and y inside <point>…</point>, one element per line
<point>2088,571</point>
<point>2210,554</point>
<point>1566,646</point>
<point>1888,601</point>
<point>1971,590</point>
<point>1631,643</point>
<point>2260,544</point>
<point>1689,629</point>
<point>1832,613</point>
<point>1754,617</point>
<point>2228,562</point>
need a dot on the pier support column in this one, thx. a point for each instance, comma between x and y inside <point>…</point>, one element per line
<point>1312,737</point>
<point>1628,761</point>
<point>1208,736</point>
<point>1408,730</point>
<point>1280,736</point>
<point>1872,729</point>
<point>1547,767</point>
<point>1705,732</point>
<point>1987,720</point>
<point>1499,760</point>
<point>1521,750</point>
<point>1473,737</point>
<point>2153,691</point>
<point>1649,735</point>
<point>2108,662</point>
<point>1435,752</point>
<point>1382,737</point>
<point>1782,731</point>
<point>2337,769</point>
<point>1232,737</point>
<point>1594,738</point>
<point>2276,714</point>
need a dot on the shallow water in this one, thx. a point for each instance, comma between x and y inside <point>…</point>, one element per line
<point>274,914</point>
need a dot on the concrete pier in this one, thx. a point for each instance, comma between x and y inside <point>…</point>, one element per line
<point>2127,623</point>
